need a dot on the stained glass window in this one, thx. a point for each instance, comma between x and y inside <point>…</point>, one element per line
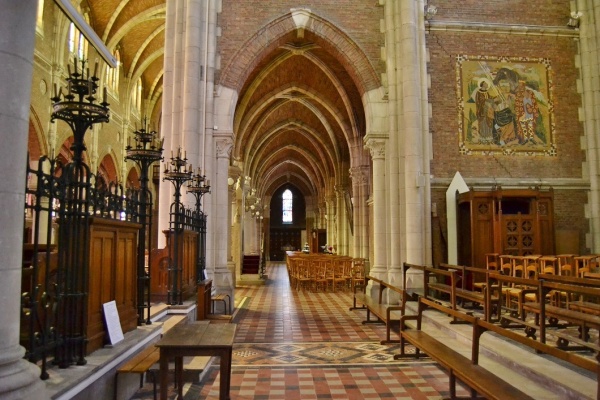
<point>287,206</point>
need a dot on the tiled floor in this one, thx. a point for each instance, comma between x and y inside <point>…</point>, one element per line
<point>302,345</point>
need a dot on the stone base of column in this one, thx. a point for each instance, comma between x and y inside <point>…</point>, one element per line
<point>414,279</point>
<point>379,272</point>
<point>20,379</point>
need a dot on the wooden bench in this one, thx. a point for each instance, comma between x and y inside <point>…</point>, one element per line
<point>571,286</point>
<point>143,361</point>
<point>140,364</point>
<point>572,358</point>
<point>480,380</point>
<point>487,296</point>
<point>513,317</point>
<point>385,313</point>
<point>447,281</point>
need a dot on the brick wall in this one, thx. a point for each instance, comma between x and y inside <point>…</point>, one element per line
<point>443,48</point>
<point>360,20</point>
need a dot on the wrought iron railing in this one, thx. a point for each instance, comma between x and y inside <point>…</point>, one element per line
<point>61,199</point>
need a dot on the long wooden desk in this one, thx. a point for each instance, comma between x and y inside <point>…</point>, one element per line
<point>196,339</point>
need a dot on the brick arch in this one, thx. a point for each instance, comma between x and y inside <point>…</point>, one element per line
<point>107,169</point>
<point>274,34</point>
<point>65,154</point>
<point>133,178</point>
<point>36,145</point>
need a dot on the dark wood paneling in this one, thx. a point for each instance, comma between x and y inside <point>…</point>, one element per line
<point>113,259</point>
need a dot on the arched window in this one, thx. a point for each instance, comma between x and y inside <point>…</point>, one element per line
<point>112,75</point>
<point>40,17</point>
<point>287,201</point>
<point>136,97</point>
<point>78,45</point>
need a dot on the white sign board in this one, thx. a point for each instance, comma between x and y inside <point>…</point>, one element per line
<point>113,323</point>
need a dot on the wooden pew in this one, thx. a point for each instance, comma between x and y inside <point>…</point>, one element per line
<point>385,313</point>
<point>488,299</point>
<point>447,281</point>
<point>589,364</point>
<point>480,380</point>
<point>574,287</point>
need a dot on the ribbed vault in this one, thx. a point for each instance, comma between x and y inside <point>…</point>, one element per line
<point>299,110</point>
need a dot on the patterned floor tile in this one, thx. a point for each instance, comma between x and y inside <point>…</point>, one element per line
<point>301,345</point>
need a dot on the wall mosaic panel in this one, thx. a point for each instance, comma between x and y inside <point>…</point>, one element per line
<point>505,105</point>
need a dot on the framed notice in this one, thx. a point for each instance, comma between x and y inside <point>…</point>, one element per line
<point>113,323</point>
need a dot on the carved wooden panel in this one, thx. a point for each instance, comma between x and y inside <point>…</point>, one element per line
<point>113,260</point>
<point>517,222</point>
<point>159,271</point>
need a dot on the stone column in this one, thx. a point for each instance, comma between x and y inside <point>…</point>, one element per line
<point>19,379</point>
<point>332,236</point>
<point>342,220</point>
<point>414,145</point>
<point>222,276</point>
<point>360,190</point>
<point>170,106</point>
<point>589,33</point>
<point>377,146</point>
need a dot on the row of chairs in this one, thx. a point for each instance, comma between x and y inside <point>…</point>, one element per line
<point>535,264</point>
<point>325,272</point>
<point>531,266</point>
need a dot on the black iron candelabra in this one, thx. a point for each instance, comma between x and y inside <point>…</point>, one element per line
<point>178,172</point>
<point>146,150</point>
<point>199,186</point>
<point>80,108</point>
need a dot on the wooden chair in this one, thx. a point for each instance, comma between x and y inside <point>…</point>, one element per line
<point>304,276</point>
<point>358,273</point>
<point>584,264</point>
<point>492,263</point>
<point>321,276</point>
<point>518,271</point>
<point>566,264</point>
<point>548,265</point>
<point>506,264</point>
<point>339,275</point>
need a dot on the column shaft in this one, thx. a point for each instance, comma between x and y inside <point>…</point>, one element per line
<point>19,379</point>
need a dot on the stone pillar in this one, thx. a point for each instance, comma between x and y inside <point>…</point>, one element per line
<point>170,106</point>
<point>222,276</point>
<point>360,189</point>
<point>589,33</point>
<point>413,146</point>
<point>331,221</point>
<point>377,146</point>
<point>342,220</point>
<point>19,379</point>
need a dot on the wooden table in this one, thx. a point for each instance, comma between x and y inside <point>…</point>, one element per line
<point>196,339</point>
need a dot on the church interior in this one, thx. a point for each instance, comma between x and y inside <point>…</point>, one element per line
<point>308,187</point>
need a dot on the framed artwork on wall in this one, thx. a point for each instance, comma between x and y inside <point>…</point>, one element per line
<point>505,105</point>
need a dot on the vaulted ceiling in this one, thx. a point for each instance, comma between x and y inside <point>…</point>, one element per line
<point>137,30</point>
<point>298,109</point>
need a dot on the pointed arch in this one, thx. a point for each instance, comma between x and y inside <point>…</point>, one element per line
<point>266,40</point>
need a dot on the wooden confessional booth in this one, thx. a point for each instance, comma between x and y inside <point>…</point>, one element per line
<point>516,221</point>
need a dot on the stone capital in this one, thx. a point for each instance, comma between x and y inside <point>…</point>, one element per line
<point>377,147</point>
<point>359,174</point>
<point>223,147</point>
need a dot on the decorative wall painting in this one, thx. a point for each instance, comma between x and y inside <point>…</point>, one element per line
<point>505,106</point>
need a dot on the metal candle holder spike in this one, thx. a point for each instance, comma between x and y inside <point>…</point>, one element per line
<point>77,104</point>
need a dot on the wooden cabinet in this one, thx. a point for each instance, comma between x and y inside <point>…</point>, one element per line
<point>518,222</point>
